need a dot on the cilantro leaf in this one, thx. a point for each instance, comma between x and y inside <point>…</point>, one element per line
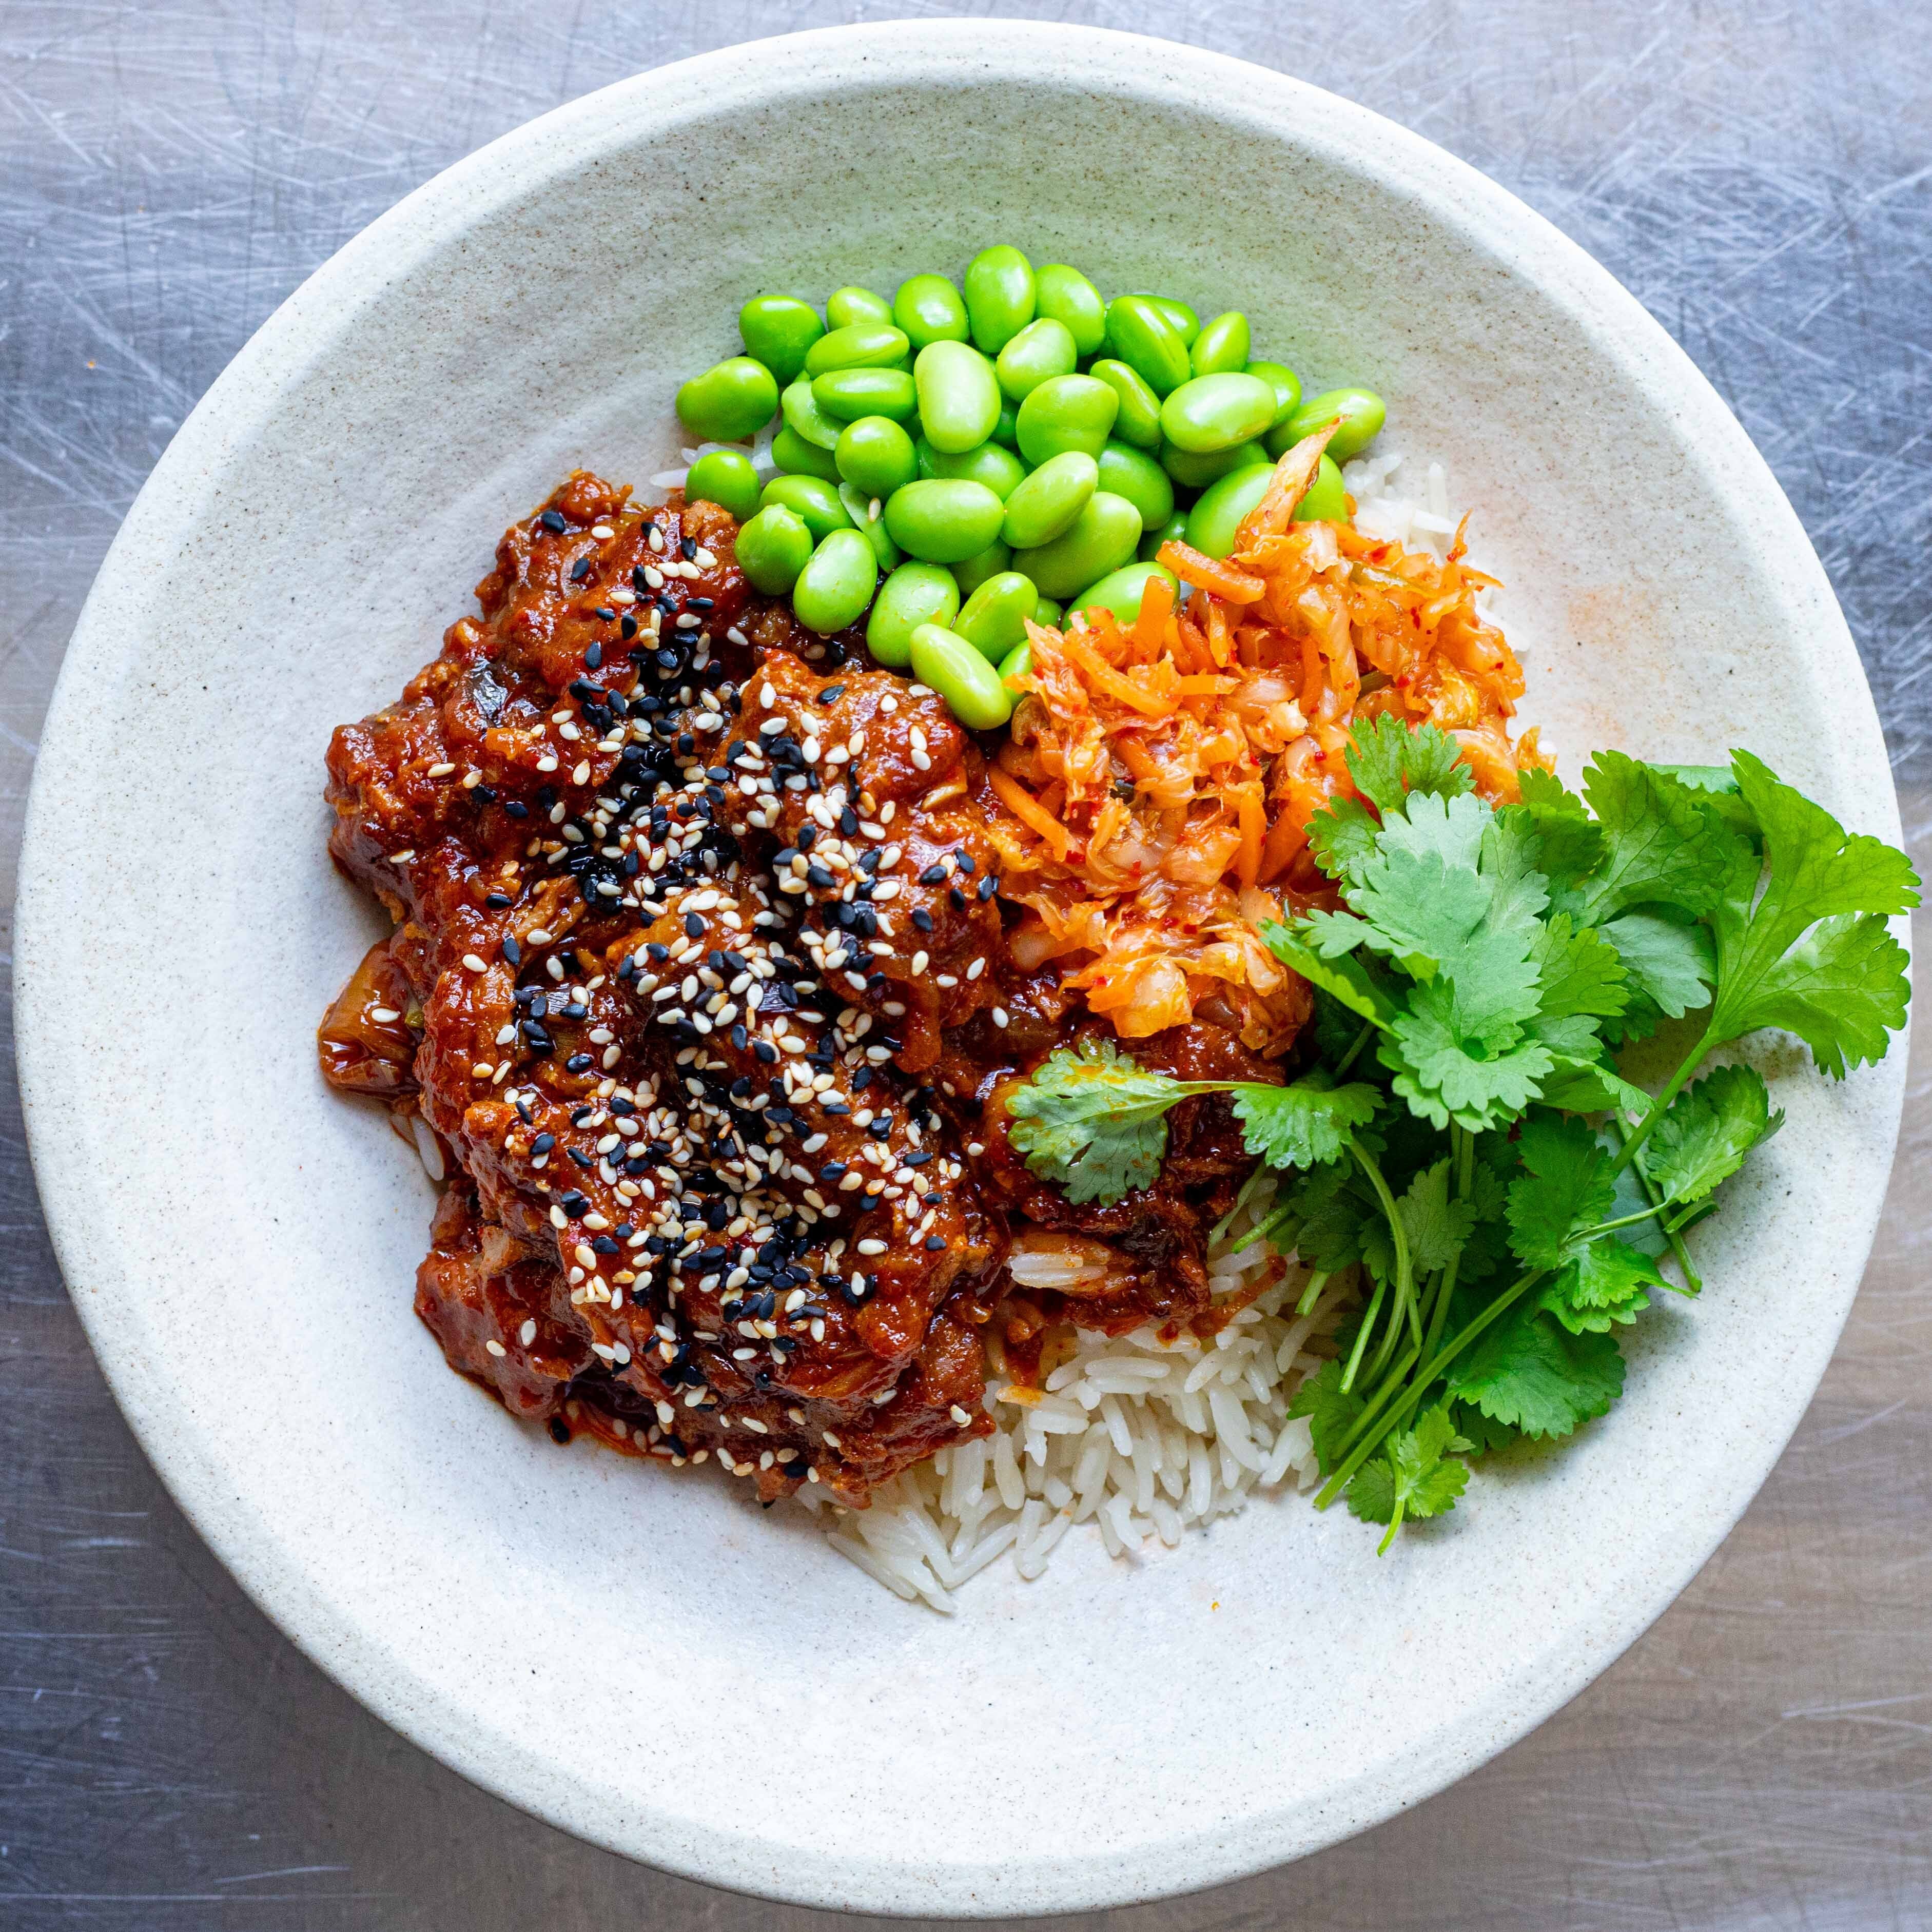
<point>1483,1434</point>
<point>1304,1124</point>
<point>1668,966</point>
<point>1416,1474</point>
<point>1578,971</point>
<point>1717,787</point>
<point>1660,844</point>
<point>1445,1077</point>
<point>1436,1226</point>
<point>1091,1120</point>
<point>1603,1284</point>
<point>1341,836</point>
<point>1706,1132</point>
<point>1528,1372</point>
<point>1570,845</point>
<point>1811,953</point>
<point>1331,1411</point>
<point>1566,1187</point>
<point>1386,760</point>
<point>1348,979</point>
<point>1577,1084</point>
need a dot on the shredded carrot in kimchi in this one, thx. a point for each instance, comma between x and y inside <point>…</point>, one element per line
<point>1152,801</point>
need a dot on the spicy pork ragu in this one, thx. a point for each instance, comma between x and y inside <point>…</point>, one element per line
<point>716,948</point>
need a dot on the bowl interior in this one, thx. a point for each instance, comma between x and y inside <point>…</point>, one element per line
<point>647,1658</point>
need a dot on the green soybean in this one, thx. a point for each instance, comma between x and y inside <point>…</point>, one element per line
<point>1000,296</point>
<point>914,594</point>
<point>1042,350</point>
<point>1140,335</point>
<point>805,418</point>
<point>871,527</point>
<point>1222,347</point>
<point>732,400</point>
<point>1135,475</point>
<point>777,330</point>
<point>1195,470</point>
<point>969,682</point>
<point>1326,501</point>
<point>1101,539</point>
<point>1213,413</point>
<point>1006,430</point>
<point>847,394</point>
<point>1362,412</point>
<point>1068,297</point>
<point>994,618</point>
<point>834,588</point>
<point>814,500</point>
<point>928,309</point>
<point>1138,422</point>
<point>1218,512</point>
<point>1019,661</point>
<point>976,569</point>
<point>797,458</point>
<point>1045,505</point>
<point>999,469</point>
<point>859,345</point>
<point>1048,612</point>
<point>1175,530</point>
<point>1287,386</point>
<point>875,455</point>
<point>944,521</point>
<point>772,548</point>
<point>1066,413</point>
<point>1186,323</point>
<point>845,306</point>
<point>1120,591</point>
<point>958,396</point>
<point>725,477</point>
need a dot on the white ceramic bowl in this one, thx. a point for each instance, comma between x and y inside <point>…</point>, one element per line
<point>642,1657</point>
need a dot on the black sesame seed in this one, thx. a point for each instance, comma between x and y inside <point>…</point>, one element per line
<point>577,1063</point>
<point>512,951</point>
<point>831,693</point>
<point>933,875</point>
<point>693,926</point>
<point>922,918</point>
<point>543,1144</point>
<point>957,897</point>
<point>516,808</point>
<point>988,887</point>
<point>552,521</point>
<point>559,1430</point>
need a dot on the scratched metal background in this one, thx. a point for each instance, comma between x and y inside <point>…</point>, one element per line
<point>1761,176</point>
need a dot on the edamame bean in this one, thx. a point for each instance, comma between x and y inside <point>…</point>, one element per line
<point>1326,501</point>
<point>797,458</point>
<point>1222,347</point>
<point>777,330</point>
<point>772,548</point>
<point>914,594</point>
<point>859,345</point>
<point>834,588</point>
<point>845,306</point>
<point>942,520</point>
<point>1186,323</point>
<point>1120,591</point>
<point>994,618</point>
<point>1018,662</point>
<point>958,396</point>
<point>846,394</point>
<point>975,571</point>
<point>1175,530</point>
<point>1362,413</point>
<point>725,477</point>
<point>1000,469</point>
<point>1287,389</point>
<point>1138,422</point>
<point>1135,475</point>
<point>1101,539</point>
<point>805,418</point>
<point>1048,612</point>
<point>732,400</point>
<point>1000,296</point>
<point>1140,335</point>
<point>1045,505</point>
<point>1066,413</point>
<point>1217,513</point>
<point>1006,430</point>
<point>969,682</point>
<point>928,309</point>
<point>1195,471</point>
<point>870,526</point>
<point>814,500</point>
<point>1212,412</point>
<point>876,455</point>
<point>1043,349</point>
<point>1067,296</point>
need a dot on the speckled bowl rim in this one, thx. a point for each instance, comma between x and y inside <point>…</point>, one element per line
<point>764,74</point>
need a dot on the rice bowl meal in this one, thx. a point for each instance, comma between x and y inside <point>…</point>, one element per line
<point>994,959</point>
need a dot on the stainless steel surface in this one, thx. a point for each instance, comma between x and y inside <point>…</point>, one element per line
<point>1761,176</point>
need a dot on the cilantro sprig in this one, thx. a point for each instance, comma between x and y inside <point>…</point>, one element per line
<point>1510,1196</point>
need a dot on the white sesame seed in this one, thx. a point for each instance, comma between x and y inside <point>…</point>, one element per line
<point>474,964</point>
<point>603,530</point>
<point>441,771</point>
<point>495,1347</point>
<point>870,1246</point>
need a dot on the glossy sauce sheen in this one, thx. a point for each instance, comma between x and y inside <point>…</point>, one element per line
<point>699,974</point>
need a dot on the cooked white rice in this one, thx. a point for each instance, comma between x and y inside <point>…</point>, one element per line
<point>1134,1438</point>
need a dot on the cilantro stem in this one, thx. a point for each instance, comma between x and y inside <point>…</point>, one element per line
<point>1362,1335</point>
<point>1347,1059</point>
<point>1693,1282</point>
<point>1641,1132</point>
<point>1405,1302</point>
<point>1462,1148</point>
<point>1311,1294</point>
